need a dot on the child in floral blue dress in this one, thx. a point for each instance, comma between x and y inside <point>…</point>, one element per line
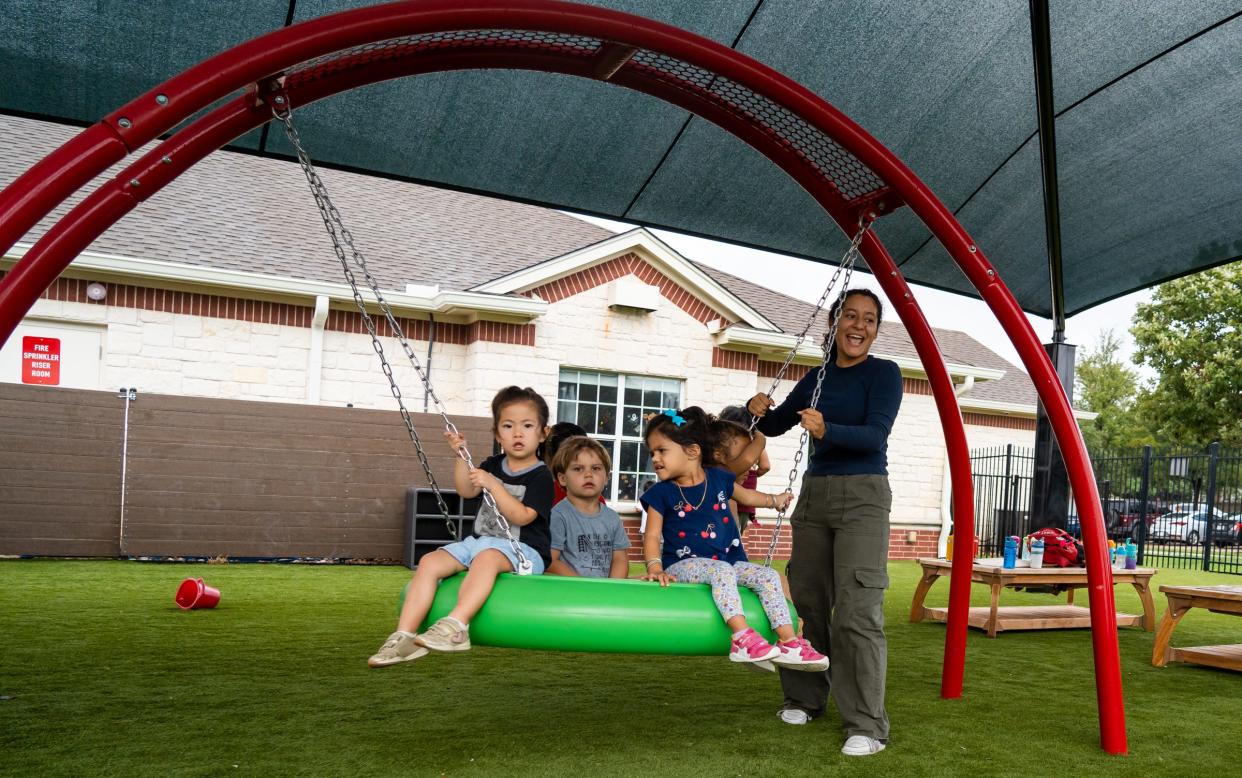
<point>692,536</point>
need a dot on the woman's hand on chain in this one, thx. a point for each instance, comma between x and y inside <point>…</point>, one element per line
<point>813,422</point>
<point>759,405</point>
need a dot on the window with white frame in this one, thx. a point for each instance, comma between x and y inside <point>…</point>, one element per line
<point>613,409</point>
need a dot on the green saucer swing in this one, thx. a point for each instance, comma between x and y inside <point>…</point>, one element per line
<point>610,615</point>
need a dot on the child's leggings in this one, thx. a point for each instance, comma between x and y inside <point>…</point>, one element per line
<point>725,578</point>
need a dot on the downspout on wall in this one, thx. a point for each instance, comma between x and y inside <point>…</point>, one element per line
<point>314,367</point>
<point>946,484</point>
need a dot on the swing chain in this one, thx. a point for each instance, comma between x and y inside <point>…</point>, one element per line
<point>846,267</point>
<point>851,254</point>
<point>338,233</point>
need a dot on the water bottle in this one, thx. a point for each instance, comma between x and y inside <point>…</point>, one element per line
<point>1011,553</point>
<point>1037,554</point>
<point>1026,549</point>
<point>1131,555</point>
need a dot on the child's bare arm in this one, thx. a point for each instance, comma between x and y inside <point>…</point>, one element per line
<point>509,506</point>
<point>765,464</point>
<point>753,499</point>
<point>560,566</point>
<point>620,564</point>
<point>651,549</point>
<point>461,471</point>
<point>748,456</point>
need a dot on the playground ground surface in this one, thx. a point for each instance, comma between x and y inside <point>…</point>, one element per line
<point>101,674</point>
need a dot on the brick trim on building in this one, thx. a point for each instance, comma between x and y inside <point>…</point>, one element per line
<point>1005,422</point>
<point>900,547</point>
<point>734,360</point>
<point>624,265</point>
<point>286,314</point>
<point>768,369</point>
<point>916,386</point>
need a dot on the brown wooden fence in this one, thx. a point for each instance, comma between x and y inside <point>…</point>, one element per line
<point>209,477</point>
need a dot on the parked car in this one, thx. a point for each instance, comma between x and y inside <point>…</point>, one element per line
<point>1121,515</point>
<point>1184,522</point>
<point>1227,530</point>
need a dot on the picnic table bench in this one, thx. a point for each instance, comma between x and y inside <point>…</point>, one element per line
<point>1217,599</point>
<point>994,619</point>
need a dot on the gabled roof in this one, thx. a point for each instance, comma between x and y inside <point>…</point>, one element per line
<point>240,213</point>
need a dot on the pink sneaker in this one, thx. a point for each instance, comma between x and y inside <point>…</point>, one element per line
<point>798,654</point>
<point>751,647</point>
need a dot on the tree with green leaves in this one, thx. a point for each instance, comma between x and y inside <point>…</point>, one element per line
<point>1191,335</point>
<point>1106,386</point>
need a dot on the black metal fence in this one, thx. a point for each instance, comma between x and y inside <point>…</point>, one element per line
<point>1181,507</point>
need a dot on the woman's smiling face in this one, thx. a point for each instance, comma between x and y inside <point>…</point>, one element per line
<point>860,322</point>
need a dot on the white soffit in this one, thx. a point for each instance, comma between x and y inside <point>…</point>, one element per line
<point>469,305</point>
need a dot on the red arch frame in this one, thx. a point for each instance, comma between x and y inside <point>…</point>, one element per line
<point>33,195</point>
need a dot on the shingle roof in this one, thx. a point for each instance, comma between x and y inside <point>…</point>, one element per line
<point>238,212</point>
<point>791,316</point>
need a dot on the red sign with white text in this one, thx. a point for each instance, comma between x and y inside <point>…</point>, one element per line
<point>40,360</point>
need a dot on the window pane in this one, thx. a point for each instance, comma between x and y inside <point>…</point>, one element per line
<point>644,461</point>
<point>586,416</point>
<point>645,480</point>
<point>566,411</point>
<point>567,390</point>
<point>671,399</point>
<point>608,394</point>
<point>607,420</point>
<point>633,395</point>
<point>610,446</point>
<point>651,399</point>
<point>629,456</point>
<point>625,487</point>
<point>631,423</point>
<point>608,379</point>
<point>588,392</point>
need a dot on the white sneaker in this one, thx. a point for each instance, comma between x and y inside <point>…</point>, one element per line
<point>793,715</point>
<point>861,745</point>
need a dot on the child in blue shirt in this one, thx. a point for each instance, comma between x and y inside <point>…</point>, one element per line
<point>693,537</point>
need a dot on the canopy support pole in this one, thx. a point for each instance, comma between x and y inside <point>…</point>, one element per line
<point>1050,491</point>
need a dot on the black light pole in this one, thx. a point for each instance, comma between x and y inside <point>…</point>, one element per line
<point>1050,487</point>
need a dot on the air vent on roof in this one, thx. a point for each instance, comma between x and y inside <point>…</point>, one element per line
<point>630,294</point>
<point>422,290</point>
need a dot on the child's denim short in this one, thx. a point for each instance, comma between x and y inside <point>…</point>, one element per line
<point>466,550</point>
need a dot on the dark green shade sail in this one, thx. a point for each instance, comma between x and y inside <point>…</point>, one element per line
<point>1148,95</point>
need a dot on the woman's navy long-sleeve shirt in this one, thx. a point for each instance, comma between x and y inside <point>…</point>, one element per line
<point>859,404</point>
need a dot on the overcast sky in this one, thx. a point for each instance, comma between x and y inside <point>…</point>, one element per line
<point>806,281</point>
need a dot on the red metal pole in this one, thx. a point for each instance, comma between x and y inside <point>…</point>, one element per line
<point>921,333</point>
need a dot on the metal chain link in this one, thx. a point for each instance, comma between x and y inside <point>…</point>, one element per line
<point>845,269</point>
<point>339,234</point>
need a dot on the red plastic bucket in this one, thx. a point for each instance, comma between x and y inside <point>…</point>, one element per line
<point>193,594</point>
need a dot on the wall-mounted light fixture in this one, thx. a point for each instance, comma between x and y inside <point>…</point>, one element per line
<point>96,291</point>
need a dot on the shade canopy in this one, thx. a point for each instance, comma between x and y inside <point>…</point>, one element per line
<point>1148,101</point>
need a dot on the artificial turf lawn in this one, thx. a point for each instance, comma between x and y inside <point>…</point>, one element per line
<point>101,674</point>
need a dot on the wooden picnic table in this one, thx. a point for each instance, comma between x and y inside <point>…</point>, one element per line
<point>994,618</point>
<point>1217,599</point>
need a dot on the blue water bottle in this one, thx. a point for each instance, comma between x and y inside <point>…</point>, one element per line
<point>1131,555</point>
<point>1011,553</point>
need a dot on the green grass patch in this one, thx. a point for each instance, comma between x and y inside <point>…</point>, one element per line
<point>102,674</point>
